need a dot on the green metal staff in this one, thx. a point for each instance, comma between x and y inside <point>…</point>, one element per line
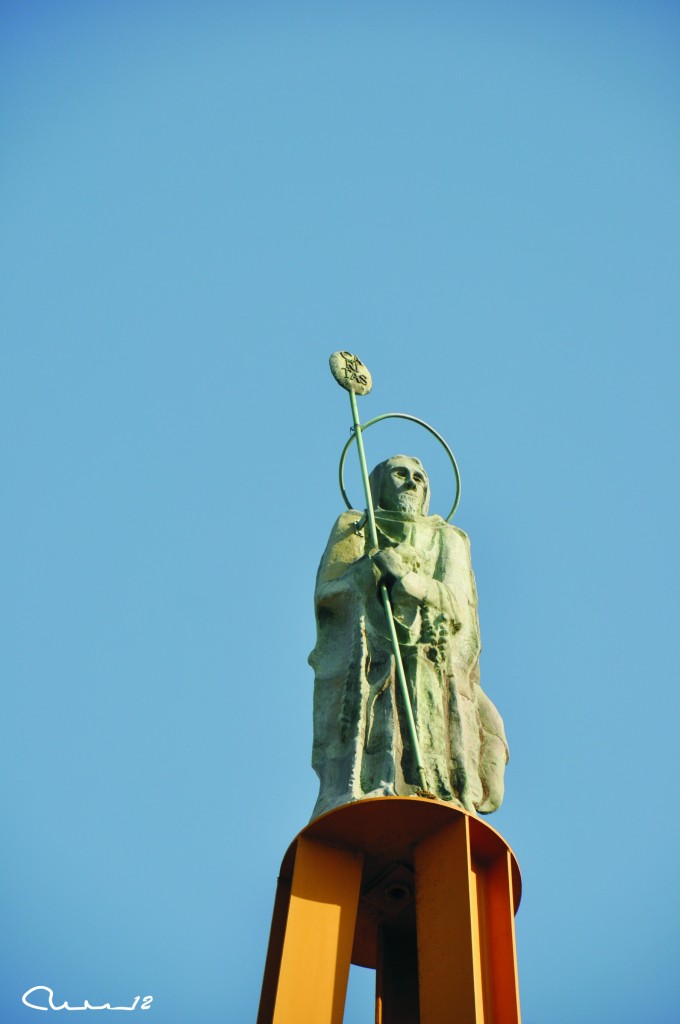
<point>355,378</point>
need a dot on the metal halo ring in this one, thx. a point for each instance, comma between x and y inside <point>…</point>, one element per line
<point>413,419</point>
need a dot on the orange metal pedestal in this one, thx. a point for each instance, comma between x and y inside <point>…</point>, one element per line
<point>421,891</point>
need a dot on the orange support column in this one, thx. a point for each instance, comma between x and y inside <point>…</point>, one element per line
<point>466,943</point>
<point>448,934</point>
<point>495,898</point>
<point>317,947</point>
<point>396,982</point>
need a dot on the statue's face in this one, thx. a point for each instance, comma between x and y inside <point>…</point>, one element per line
<point>404,486</point>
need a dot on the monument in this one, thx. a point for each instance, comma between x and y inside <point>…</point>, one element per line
<point>395,870</point>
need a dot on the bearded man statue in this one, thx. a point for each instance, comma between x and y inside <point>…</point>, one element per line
<point>361,738</point>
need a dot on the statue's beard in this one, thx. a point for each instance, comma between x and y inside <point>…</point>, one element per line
<point>409,501</point>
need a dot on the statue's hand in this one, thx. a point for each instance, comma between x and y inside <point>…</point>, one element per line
<point>410,586</point>
<point>390,564</point>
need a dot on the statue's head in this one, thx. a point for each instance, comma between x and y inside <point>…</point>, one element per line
<point>401,485</point>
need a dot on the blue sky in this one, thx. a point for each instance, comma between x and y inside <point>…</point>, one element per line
<point>198,203</point>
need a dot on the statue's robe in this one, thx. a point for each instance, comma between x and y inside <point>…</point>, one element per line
<point>361,741</point>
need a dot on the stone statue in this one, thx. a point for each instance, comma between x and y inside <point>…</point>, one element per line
<point>361,743</point>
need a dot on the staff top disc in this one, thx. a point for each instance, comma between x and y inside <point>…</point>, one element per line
<point>350,373</point>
